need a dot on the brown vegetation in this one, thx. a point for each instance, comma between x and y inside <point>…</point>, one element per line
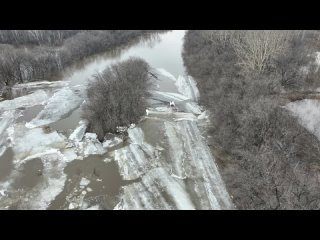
<point>272,161</point>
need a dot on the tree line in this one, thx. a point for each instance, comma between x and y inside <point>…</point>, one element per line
<point>45,59</point>
<point>35,37</point>
<point>273,161</point>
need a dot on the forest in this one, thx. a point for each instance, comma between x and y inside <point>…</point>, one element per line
<point>267,159</point>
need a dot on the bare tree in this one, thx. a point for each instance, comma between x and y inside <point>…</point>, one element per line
<point>117,96</point>
<point>258,49</point>
<point>272,161</point>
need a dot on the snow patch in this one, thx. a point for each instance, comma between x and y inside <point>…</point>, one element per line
<point>308,113</point>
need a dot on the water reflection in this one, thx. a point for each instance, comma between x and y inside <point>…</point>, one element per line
<point>161,50</point>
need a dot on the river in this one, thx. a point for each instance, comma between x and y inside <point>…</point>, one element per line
<point>166,163</point>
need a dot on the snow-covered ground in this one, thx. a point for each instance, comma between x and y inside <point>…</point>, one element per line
<point>308,113</point>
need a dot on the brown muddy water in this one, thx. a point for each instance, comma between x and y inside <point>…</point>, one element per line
<point>102,184</point>
<point>30,174</point>
<point>30,113</point>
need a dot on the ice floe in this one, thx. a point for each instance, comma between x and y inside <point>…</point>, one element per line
<point>84,182</point>
<point>167,96</point>
<point>45,192</point>
<point>28,142</point>
<point>203,115</point>
<point>6,120</point>
<point>137,158</point>
<point>40,85</point>
<point>109,143</point>
<point>36,98</point>
<point>166,73</point>
<point>92,145</point>
<point>78,134</point>
<point>137,137</point>
<point>188,87</point>
<point>132,162</point>
<point>59,106</point>
<point>157,190</point>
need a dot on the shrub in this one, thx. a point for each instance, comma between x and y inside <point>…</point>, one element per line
<point>117,96</point>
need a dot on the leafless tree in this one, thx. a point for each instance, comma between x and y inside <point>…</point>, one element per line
<point>117,96</point>
<point>272,160</point>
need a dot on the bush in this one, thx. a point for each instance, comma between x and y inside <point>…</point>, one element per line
<point>117,96</point>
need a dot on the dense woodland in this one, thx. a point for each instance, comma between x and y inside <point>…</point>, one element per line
<point>41,54</point>
<point>117,96</point>
<point>269,160</point>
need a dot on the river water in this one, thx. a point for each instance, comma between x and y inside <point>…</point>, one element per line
<point>165,165</point>
<point>159,50</point>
